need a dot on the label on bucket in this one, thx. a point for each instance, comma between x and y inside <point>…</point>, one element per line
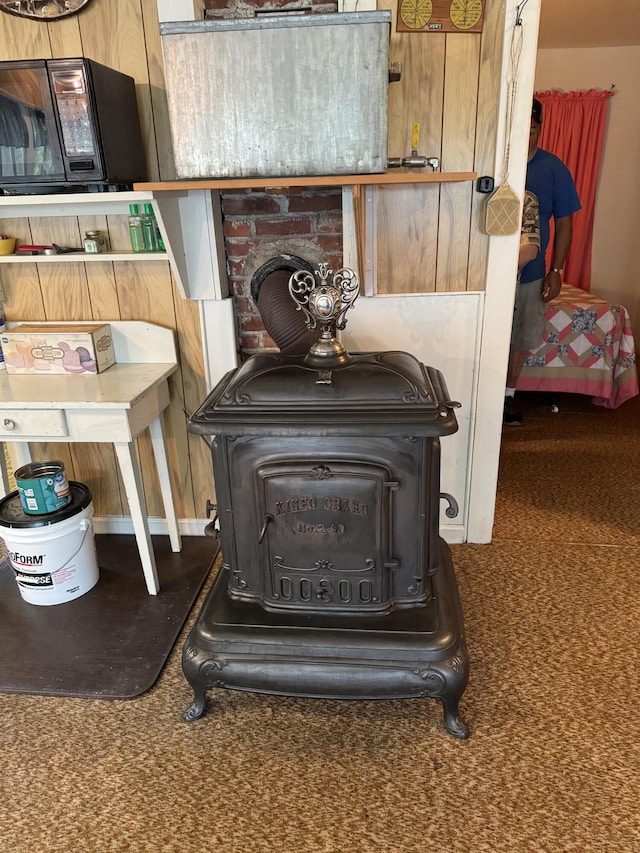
<point>42,489</point>
<point>33,581</point>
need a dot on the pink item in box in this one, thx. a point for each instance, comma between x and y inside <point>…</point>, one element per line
<point>47,348</point>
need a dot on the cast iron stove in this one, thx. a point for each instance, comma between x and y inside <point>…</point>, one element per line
<point>335,581</point>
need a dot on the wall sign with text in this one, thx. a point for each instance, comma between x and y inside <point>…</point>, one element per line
<point>440,16</point>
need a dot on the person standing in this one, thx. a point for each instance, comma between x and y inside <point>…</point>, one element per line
<point>551,182</point>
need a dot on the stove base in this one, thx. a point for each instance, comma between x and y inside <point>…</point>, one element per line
<point>415,652</point>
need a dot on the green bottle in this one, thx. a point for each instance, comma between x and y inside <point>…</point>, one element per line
<point>136,234</point>
<point>155,237</point>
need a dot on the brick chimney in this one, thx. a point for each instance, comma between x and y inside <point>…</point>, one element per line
<point>261,224</point>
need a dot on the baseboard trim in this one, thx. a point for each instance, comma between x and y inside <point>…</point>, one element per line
<point>157,526</point>
<point>453,534</point>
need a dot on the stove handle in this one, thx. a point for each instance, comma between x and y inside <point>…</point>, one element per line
<point>440,387</point>
<point>268,518</point>
<point>453,509</point>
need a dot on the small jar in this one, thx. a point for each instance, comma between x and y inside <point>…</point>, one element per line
<point>94,242</point>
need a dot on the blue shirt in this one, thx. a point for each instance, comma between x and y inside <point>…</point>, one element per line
<point>551,181</point>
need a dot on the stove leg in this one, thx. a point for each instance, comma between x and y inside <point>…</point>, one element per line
<point>197,708</point>
<point>452,722</point>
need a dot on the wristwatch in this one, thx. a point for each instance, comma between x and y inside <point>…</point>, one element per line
<point>559,270</point>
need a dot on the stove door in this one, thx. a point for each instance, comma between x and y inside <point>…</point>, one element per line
<point>325,537</point>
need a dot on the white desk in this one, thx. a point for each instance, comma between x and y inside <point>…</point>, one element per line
<point>115,406</point>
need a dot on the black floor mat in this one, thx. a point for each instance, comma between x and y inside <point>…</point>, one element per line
<point>112,642</point>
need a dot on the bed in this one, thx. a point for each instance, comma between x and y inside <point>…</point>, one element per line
<point>588,349</point>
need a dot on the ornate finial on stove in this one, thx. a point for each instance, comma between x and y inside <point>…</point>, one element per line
<point>325,304</point>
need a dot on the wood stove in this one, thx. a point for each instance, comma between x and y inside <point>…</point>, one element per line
<point>335,581</point>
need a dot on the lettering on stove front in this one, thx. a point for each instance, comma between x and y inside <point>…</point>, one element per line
<point>324,531</point>
<point>307,503</point>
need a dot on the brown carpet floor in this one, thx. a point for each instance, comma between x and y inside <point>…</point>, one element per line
<point>553,763</point>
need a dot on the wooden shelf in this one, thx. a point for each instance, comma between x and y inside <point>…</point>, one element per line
<point>71,204</point>
<point>84,257</point>
<point>394,176</point>
<point>189,221</point>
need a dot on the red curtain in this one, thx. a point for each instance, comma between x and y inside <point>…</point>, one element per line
<point>573,128</point>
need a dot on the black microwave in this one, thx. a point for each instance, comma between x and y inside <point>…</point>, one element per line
<point>68,124</point>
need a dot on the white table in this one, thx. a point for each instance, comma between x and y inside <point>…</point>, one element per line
<point>115,406</point>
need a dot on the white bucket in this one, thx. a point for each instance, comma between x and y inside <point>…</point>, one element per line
<point>53,556</point>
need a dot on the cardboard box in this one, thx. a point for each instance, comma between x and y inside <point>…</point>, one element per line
<point>69,348</point>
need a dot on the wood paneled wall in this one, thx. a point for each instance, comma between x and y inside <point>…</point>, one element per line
<point>428,236</point>
<point>123,35</point>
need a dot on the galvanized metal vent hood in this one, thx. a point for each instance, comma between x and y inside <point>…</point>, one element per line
<point>280,95</point>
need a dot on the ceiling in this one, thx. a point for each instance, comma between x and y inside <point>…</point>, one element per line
<point>589,23</point>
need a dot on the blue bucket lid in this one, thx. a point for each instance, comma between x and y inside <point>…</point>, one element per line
<point>12,514</point>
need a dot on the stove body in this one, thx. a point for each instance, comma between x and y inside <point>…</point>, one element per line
<point>335,581</point>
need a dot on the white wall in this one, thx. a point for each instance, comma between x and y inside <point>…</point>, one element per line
<point>179,10</point>
<point>491,365</point>
<point>425,325</point>
<point>617,214</point>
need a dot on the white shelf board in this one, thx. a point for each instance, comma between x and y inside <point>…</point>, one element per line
<point>84,257</point>
<point>70,204</point>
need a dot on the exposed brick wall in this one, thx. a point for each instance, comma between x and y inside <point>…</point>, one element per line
<point>246,8</point>
<point>259,225</point>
